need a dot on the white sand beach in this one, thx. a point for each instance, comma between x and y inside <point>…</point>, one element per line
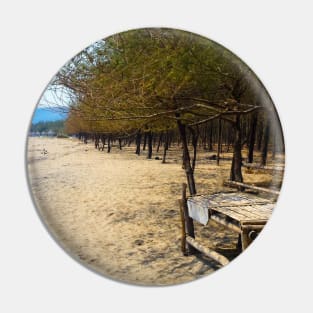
<point>117,212</point>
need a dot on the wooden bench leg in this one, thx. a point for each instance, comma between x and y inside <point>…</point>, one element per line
<point>245,240</point>
<point>187,230</point>
<point>183,228</point>
<point>249,233</point>
<point>247,236</point>
<point>239,245</point>
<point>187,224</point>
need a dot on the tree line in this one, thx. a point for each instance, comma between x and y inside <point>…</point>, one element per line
<point>159,86</point>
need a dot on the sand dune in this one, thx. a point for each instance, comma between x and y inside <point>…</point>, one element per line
<point>117,212</point>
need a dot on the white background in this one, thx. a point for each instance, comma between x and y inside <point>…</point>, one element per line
<point>274,38</point>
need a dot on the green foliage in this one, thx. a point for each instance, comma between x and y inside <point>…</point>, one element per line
<point>150,78</point>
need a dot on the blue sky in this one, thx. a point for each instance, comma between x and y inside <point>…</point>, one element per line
<point>51,105</point>
<point>47,115</point>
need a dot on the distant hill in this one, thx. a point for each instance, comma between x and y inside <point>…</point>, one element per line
<point>53,127</point>
<point>47,115</point>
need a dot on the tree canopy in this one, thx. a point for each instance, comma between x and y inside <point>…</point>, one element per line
<point>152,77</point>
<point>157,79</point>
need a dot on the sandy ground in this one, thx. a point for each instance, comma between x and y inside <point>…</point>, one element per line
<point>117,213</point>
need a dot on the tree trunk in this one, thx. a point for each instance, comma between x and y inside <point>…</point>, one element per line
<point>236,173</point>
<point>159,142</point>
<point>219,141</point>
<point>229,138</point>
<point>109,145</point>
<point>144,141</point>
<point>103,142</point>
<point>120,143</point>
<point>260,136</point>
<point>187,165</point>
<point>265,143</point>
<point>165,147</point>
<point>183,158</point>
<point>194,141</point>
<point>274,147</point>
<point>211,137</point>
<point>254,122</point>
<point>96,142</point>
<point>170,138</point>
<point>204,137</point>
<point>138,142</point>
<point>150,137</point>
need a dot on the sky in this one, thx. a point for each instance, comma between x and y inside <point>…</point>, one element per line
<point>51,106</point>
<point>47,115</point>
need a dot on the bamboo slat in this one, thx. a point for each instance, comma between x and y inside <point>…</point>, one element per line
<point>240,207</point>
<point>226,223</point>
<point>246,213</point>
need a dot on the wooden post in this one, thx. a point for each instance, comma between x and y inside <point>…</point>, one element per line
<point>250,230</point>
<point>245,240</point>
<point>239,246</point>
<point>183,224</point>
<point>189,227</point>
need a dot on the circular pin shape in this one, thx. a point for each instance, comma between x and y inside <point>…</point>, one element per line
<point>155,157</point>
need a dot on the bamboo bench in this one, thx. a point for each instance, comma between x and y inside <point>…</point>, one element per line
<point>241,212</point>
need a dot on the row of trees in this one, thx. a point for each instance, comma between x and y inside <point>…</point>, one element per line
<point>154,82</point>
